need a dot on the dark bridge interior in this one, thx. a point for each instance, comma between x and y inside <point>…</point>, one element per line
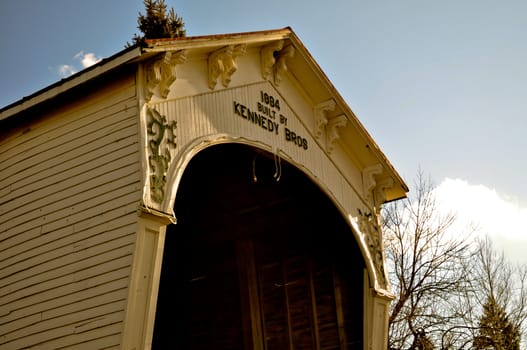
<point>257,262</point>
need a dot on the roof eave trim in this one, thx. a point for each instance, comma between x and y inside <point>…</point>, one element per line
<point>197,42</point>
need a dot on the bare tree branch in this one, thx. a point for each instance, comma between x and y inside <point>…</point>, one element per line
<point>427,267</point>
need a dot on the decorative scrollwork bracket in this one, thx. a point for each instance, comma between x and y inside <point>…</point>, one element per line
<point>161,139</point>
<point>369,227</point>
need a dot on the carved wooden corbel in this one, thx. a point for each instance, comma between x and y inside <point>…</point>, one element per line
<point>222,64</point>
<point>161,73</point>
<point>268,59</point>
<point>380,191</point>
<point>274,58</point>
<point>368,180</point>
<point>280,66</point>
<point>332,130</point>
<point>374,189</point>
<point>321,120</point>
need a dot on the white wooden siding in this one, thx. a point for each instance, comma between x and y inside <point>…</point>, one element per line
<point>69,194</point>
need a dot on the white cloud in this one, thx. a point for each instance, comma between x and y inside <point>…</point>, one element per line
<point>84,60</point>
<point>499,217</point>
<point>66,70</point>
<point>87,59</point>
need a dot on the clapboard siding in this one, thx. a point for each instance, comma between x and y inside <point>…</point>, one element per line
<point>95,339</point>
<point>103,150</point>
<point>71,160</point>
<point>38,322</point>
<point>82,114</point>
<point>72,289</point>
<point>83,188</point>
<point>69,192</point>
<point>48,272</point>
<point>72,325</point>
<point>22,314</point>
<point>59,246</point>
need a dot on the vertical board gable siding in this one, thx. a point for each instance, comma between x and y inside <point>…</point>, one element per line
<point>69,193</point>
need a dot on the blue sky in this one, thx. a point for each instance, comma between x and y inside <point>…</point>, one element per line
<point>440,85</point>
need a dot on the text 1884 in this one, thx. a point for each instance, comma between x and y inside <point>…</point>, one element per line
<point>269,100</point>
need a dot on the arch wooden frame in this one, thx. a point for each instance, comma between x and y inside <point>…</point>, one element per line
<point>179,119</point>
<point>149,252</point>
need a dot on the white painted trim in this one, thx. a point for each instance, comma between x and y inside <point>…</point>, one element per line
<point>144,283</point>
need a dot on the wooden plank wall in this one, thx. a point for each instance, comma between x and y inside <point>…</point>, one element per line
<point>69,194</point>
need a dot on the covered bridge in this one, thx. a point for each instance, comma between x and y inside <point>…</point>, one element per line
<point>210,192</point>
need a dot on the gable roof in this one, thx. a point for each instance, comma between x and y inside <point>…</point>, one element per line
<point>303,67</point>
